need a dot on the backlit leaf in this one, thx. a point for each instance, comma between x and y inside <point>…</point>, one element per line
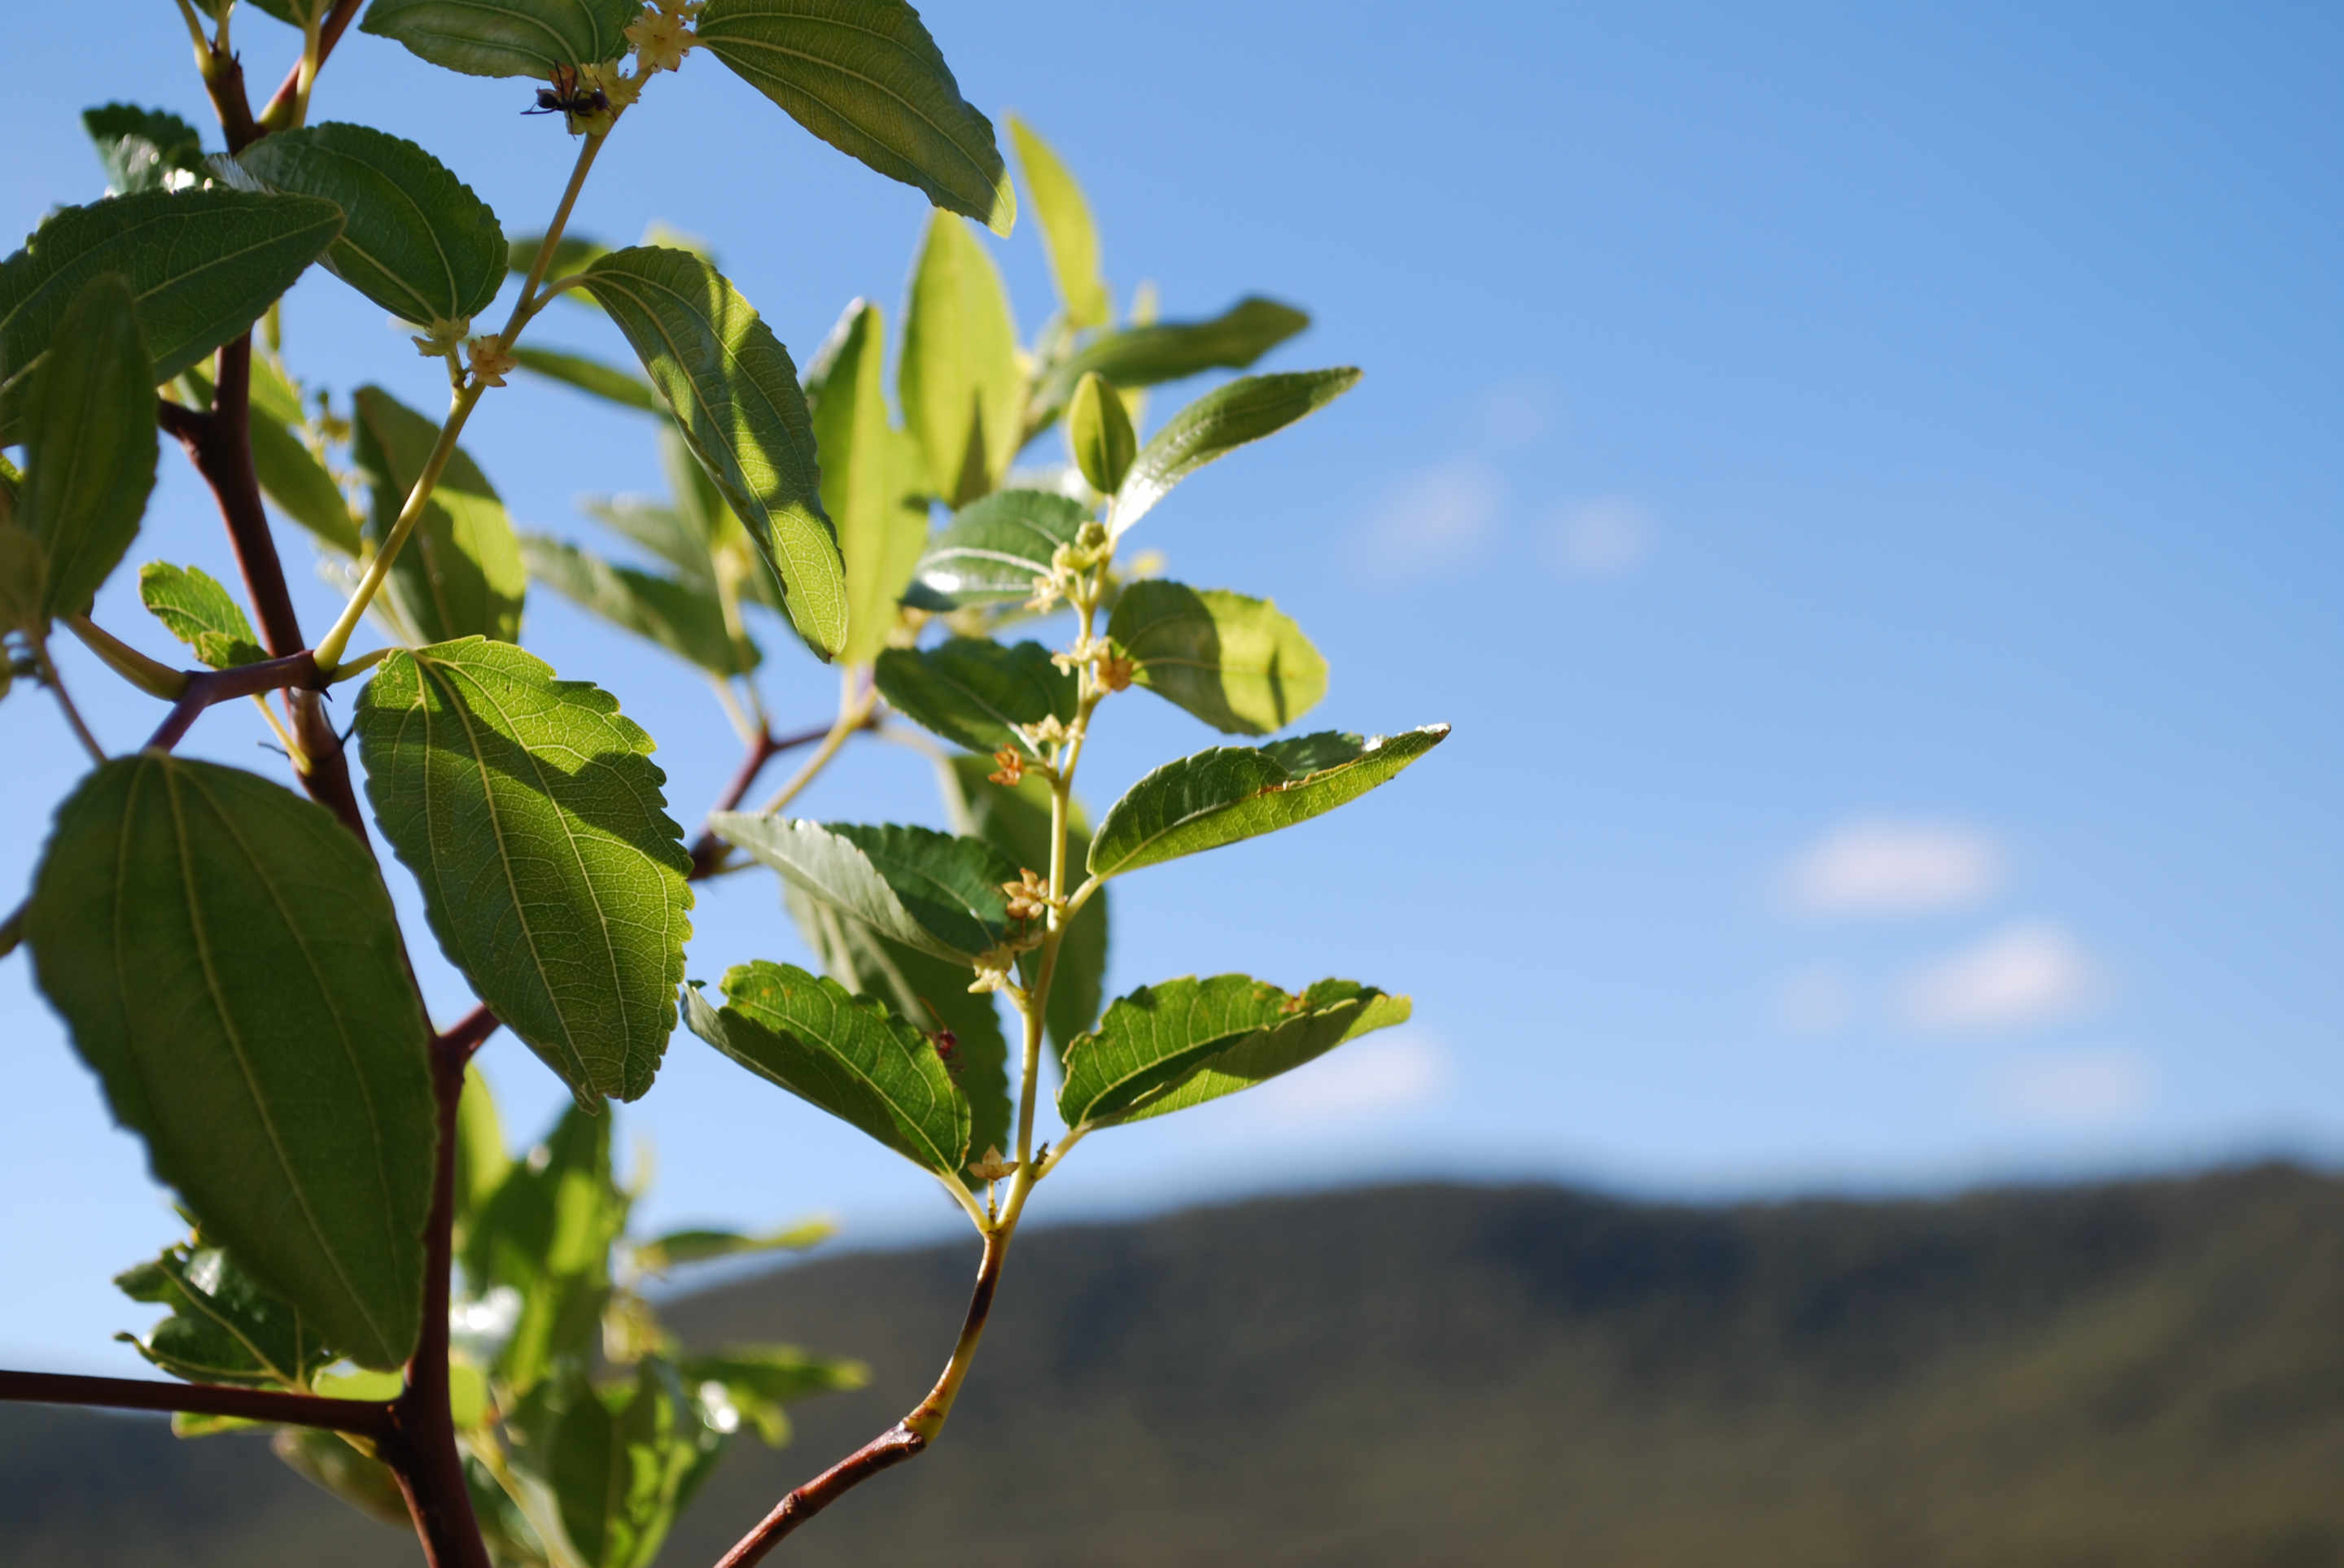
<point>678,1247</point>
<point>1068,233</point>
<point>545,1234</point>
<point>506,37</point>
<point>864,76</point>
<point>975,692</point>
<point>1152,354</point>
<point>913,885</point>
<point>961,392</point>
<point>684,619</point>
<point>871,491</point>
<point>195,609</point>
<point>460,574</point>
<point>227,960</point>
<point>753,1383</point>
<point>662,530</point>
<point>735,397</point>
<point>993,549</point>
<point>848,1055</point>
<point>1234,792</point>
<point>1168,1046</point>
<point>1216,424</point>
<point>223,1328</point>
<point>90,446</point>
<point>1234,662</point>
<point>291,476</point>
<point>201,264</point>
<point>1099,432</point>
<point>531,813</point>
<point>415,239</point>
<point>144,149</point>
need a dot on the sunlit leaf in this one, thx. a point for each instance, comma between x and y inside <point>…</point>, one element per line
<point>961,392</point>
<point>848,1055</point>
<point>1234,792</point>
<point>1165,1048</point>
<point>195,609</point>
<point>481,1160</point>
<point>735,396</point>
<point>975,692</point>
<point>415,239</point>
<point>1099,432</point>
<point>1148,356</point>
<point>592,376</point>
<point>460,574</point>
<point>227,961</point>
<point>545,1234</point>
<point>872,492</point>
<point>995,548</point>
<point>506,37</point>
<point>201,264</point>
<point>90,446</point>
<point>618,1461</point>
<point>529,811</point>
<point>1216,424</point>
<point>864,76</point>
<point>928,890</point>
<point>1068,233</point>
<point>1237,663</point>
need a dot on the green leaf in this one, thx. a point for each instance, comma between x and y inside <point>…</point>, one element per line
<point>662,530</point>
<point>24,580</point>
<point>735,397</point>
<point>1099,429</point>
<point>144,149</point>
<point>993,549</point>
<point>460,574</point>
<point>847,1055</point>
<point>481,1162</point>
<point>752,1384</point>
<point>1017,821</point>
<point>961,391</point>
<point>592,376</point>
<point>1218,423</point>
<point>864,76</point>
<point>621,1461</point>
<point>1151,355</point>
<point>1067,233</point>
<point>678,1247</point>
<point>506,37</point>
<point>227,960</point>
<point>531,813</point>
<point>930,992</point>
<point>871,484</point>
<point>195,609</point>
<point>90,446</point>
<point>975,692</point>
<point>685,619</point>
<point>291,476</point>
<point>325,1460</point>
<point>201,264</point>
<point>1234,662</point>
<point>572,252</point>
<point>927,889</point>
<point>415,239</point>
<point>1168,1046</point>
<point>546,1234</point>
<point>1234,792</point>
<point>467,1390</point>
<point>223,1328</point>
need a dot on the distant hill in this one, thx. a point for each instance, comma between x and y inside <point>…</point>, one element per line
<point>2141,1372</point>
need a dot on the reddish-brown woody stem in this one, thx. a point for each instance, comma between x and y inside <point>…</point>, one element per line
<point>708,849</point>
<point>207,686</point>
<point>362,1417</point>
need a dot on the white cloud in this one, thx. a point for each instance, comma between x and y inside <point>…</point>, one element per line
<point>1883,867</point>
<point>1435,521</point>
<point>2074,1088</point>
<point>1816,1001</point>
<point>1605,539</point>
<point>2024,974</point>
<point>1371,1078</point>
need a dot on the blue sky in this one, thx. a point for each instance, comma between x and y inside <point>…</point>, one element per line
<point>1863,487</point>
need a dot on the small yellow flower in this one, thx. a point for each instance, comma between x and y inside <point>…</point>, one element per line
<point>491,360</point>
<point>1029,895</point>
<point>441,338</point>
<point>1114,672</point>
<point>1045,596</point>
<point>661,38</point>
<point>1042,736</point>
<point>992,1166</point>
<point>1012,769</point>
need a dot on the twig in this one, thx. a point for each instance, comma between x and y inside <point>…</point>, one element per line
<point>207,686</point>
<point>365,1418</point>
<point>64,702</point>
<point>279,112</point>
<point>708,849</point>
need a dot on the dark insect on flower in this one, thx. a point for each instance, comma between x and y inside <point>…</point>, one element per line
<point>569,95</point>
<point>945,1041</point>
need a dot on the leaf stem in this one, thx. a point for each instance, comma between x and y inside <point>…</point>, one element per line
<point>65,701</point>
<point>151,676</point>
